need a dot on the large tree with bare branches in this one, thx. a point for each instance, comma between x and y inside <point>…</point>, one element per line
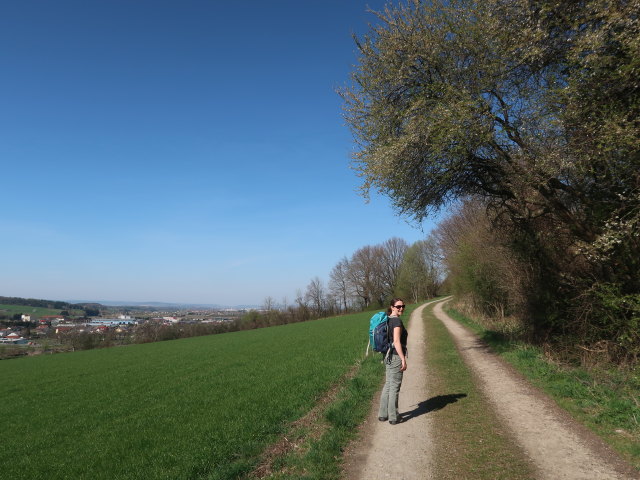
<point>393,252</point>
<point>366,275</point>
<point>339,285</point>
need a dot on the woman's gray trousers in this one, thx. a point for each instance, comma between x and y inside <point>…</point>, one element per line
<point>391,389</point>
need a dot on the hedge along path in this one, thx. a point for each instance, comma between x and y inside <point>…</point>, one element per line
<point>558,446</point>
<point>402,451</point>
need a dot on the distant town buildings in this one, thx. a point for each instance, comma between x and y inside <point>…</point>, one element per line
<point>7,336</point>
<point>111,322</point>
<point>57,332</point>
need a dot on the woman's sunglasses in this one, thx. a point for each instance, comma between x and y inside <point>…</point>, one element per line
<point>398,306</point>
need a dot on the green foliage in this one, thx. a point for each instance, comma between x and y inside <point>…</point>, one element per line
<point>482,268</point>
<point>33,302</point>
<point>608,313</point>
<point>420,271</point>
<point>478,277</point>
<point>250,320</point>
<point>201,407</point>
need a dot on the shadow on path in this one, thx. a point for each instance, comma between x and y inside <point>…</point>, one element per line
<point>431,405</point>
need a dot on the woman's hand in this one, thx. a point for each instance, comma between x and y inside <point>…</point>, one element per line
<point>404,365</point>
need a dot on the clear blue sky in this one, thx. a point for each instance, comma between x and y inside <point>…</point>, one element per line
<point>179,151</point>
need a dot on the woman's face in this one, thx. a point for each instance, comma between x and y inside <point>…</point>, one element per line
<point>397,308</point>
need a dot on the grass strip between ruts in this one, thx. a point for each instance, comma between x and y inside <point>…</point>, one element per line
<point>470,441</point>
<point>607,401</point>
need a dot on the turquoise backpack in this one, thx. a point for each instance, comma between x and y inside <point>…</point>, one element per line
<point>379,339</point>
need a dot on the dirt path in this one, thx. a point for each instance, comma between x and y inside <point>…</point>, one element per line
<point>557,446</point>
<point>402,451</point>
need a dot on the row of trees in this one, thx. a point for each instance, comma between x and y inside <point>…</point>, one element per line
<point>526,114</point>
<point>370,277</point>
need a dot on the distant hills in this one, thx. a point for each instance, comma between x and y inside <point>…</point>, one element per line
<point>65,304</point>
<point>159,305</point>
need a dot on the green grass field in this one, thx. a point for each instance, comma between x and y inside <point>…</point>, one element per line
<point>187,409</point>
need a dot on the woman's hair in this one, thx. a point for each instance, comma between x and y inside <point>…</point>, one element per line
<point>393,302</point>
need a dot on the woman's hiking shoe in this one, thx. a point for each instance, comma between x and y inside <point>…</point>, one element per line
<point>382,419</point>
<point>394,422</point>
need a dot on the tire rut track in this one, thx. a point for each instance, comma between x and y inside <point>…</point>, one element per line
<point>558,446</point>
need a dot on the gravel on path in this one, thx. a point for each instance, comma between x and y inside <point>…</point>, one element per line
<point>402,451</point>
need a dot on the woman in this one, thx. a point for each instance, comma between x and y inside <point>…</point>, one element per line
<point>396,364</point>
